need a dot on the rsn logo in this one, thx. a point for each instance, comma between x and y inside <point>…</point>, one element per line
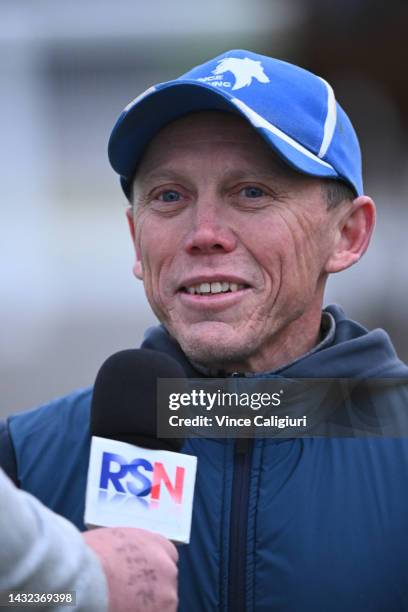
<point>244,70</point>
<point>140,485</point>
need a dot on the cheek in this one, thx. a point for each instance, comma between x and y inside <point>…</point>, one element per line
<point>304,270</point>
<point>304,245</point>
<point>147,250</point>
<point>289,256</point>
<point>156,249</point>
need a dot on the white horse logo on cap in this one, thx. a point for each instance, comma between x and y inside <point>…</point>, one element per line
<point>244,70</point>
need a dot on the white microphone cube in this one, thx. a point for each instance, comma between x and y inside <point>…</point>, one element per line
<point>130,486</point>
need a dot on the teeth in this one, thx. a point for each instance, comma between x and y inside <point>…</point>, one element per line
<point>215,287</point>
<point>204,288</point>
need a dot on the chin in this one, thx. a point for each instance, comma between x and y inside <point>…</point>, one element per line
<point>214,345</point>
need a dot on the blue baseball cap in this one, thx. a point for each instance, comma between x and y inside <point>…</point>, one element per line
<point>294,110</point>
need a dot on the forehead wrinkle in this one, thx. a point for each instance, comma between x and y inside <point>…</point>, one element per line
<point>267,167</point>
<point>159,176</point>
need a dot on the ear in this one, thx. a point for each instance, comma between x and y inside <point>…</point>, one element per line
<point>137,266</point>
<point>354,231</point>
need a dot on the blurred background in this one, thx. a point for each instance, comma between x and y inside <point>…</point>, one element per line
<point>67,295</point>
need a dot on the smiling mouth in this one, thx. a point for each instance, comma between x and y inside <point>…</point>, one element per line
<point>213,288</point>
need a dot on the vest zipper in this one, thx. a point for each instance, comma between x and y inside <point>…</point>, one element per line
<point>239,525</point>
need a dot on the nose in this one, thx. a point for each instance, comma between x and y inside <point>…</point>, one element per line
<point>210,233</point>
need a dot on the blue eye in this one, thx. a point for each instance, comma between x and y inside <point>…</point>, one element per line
<point>169,196</point>
<point>253,192</point>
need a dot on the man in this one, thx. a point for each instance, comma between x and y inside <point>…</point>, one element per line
<point>107,569</point>
<point>245,190</point>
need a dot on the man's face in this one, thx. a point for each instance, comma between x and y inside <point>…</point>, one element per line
<point>231,244</point>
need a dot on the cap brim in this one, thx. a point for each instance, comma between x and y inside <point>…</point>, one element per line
<point>147,115</point>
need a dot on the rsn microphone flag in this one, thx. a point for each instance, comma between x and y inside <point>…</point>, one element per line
<point>130,486</point>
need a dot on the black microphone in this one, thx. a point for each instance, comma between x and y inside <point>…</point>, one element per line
<point>124,402</point>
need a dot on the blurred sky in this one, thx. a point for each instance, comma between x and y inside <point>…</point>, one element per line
<point>67,295</point>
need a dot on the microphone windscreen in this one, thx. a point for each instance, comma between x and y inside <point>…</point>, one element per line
<point>124,403</point>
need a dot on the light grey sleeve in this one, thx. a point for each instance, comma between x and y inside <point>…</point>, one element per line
<point>43,552</point>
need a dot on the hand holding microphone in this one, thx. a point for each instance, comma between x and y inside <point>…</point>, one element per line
<point>140,568</point>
